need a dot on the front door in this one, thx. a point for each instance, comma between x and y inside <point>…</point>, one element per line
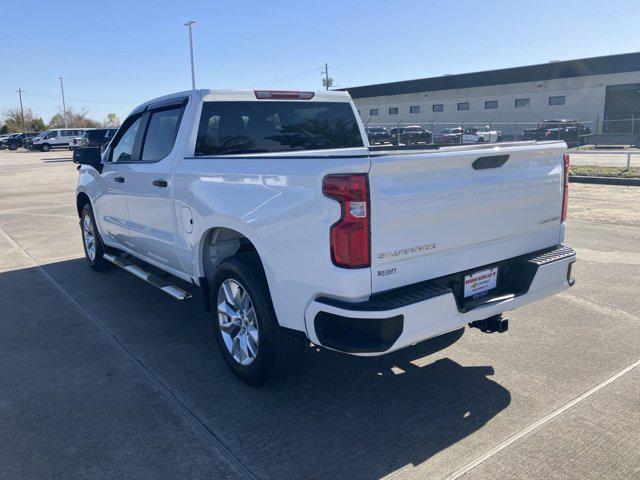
<point>111,213</point>
<point>149,190</point>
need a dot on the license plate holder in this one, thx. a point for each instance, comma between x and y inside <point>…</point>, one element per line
<point>479,283</point>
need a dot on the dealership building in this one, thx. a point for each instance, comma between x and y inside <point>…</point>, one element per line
<point>603,92</point>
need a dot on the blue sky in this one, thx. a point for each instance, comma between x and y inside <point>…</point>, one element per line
<point>116,54</point>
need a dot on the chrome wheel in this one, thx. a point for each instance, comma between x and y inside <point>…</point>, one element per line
<point>89,237</point>
<point>238,322</point>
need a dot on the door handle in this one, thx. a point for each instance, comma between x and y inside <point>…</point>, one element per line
<point>160,183</point>
<point>119,179</point>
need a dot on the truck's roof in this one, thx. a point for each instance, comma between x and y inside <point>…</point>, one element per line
<point>248,95</point>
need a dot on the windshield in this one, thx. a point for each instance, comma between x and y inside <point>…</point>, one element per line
<point>275,126</point>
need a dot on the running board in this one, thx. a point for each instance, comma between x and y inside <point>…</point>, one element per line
<point>161,284</point>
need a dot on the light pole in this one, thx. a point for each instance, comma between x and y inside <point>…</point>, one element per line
<point>193,75</point>
<point>21,109</point>
<point>64,106</point>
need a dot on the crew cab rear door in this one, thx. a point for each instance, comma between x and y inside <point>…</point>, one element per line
<point>442,212</point>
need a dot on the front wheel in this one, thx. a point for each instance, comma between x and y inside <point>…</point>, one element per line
<point>250,340</point>
<point>45,147</point>
<point>91,241</point>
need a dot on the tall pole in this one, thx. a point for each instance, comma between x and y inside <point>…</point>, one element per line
<point>193,75</point>
<point>64,105</point>
<point>21,109</point>
<point>326,76</point>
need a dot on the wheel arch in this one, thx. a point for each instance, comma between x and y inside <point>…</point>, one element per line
<point>216,245</point>
<point>81,200</point>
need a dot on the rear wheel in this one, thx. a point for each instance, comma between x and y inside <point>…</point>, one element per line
<point>252,344</point>
<point>13,146</point>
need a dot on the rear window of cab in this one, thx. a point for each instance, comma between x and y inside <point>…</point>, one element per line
<point>228,128</point>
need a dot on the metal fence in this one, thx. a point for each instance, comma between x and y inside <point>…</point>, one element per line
<point>589,132</point>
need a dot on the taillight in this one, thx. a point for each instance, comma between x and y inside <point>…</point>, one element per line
<point>282,95</point>
<point>565,191</point>
<point>350,235</point>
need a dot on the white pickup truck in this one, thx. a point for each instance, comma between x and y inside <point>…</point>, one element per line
<point>273,205</point>
<point>481,135</point>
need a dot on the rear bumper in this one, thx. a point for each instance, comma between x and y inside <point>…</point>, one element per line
<point>399,318</point>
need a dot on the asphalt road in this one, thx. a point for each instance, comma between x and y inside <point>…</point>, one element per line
<point>102,376</point>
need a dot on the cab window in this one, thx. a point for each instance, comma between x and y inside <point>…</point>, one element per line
<point>161,133</point>
<point>123,148</point>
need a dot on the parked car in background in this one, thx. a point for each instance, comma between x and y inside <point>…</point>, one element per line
<point>2,138</point>
<point>16,140</point>
<point>55,138</point>
<point>378,135</point>
<point>448,136</point>
<point>571,131</point>
<point>95,137</point>
<point>410,135</point>
<point>484,134</point>
<point>4,143</point>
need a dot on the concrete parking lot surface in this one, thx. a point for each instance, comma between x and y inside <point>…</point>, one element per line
<point>595,158</point>
<point>103,376</point>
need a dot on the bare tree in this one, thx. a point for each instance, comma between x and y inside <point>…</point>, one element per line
<point>75,118</point>
<point>13,121</point>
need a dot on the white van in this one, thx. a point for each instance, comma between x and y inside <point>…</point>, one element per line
<point>56,138</point>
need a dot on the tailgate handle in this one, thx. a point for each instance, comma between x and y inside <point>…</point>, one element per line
<point>494,161</point>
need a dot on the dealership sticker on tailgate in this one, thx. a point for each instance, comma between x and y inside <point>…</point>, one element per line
<point>480,282</point>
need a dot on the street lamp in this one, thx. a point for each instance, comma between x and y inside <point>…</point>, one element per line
<point>193,75</point>
<point>64,106</point>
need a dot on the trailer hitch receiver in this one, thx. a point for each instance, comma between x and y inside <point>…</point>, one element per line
<point>491,324</point>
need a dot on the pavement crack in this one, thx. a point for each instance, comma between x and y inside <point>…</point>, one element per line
<point>501,446</point>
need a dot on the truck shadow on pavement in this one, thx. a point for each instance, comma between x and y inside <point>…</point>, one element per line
<point>336,417</point>
<point>57,160</point>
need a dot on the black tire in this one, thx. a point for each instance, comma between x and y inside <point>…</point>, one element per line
<point>481,140</point>
<point>13,146</point>
<point>97,262</point>
<point>45,147</point>
<point>278,351</point>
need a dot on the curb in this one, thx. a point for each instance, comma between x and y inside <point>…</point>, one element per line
<point>635,182</point>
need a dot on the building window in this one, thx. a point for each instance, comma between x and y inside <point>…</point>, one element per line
<point>373,112</point>
<point>523,102</point>
<point>463,106</point>
<point>414,109</point>
<point>438,107</point>
<point>556,100</point>
<point>490,104</point>
<point>393,110</point>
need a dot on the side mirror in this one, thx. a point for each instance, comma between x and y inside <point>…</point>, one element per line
<point>88,156</point>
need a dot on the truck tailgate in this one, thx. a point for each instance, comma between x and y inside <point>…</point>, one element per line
<point>435,213</point>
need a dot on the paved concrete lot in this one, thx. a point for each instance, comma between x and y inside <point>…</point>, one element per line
<point>102,376</point>
<point>591,158</point>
